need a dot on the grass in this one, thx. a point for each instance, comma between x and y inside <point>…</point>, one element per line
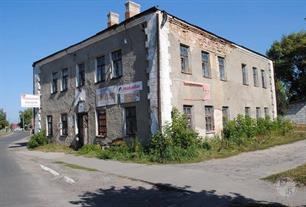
<point>74,166</point>
<point>52,147</point>
<point>297,174</point>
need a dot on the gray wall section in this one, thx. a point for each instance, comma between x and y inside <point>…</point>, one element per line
<point>231,93</point>
<point>297,113</point>
<point>134,69</point>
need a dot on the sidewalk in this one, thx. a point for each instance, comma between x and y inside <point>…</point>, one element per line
<point>207,176</point>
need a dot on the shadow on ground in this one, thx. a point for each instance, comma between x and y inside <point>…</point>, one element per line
<point>18,144</point>
<point>164,195</point>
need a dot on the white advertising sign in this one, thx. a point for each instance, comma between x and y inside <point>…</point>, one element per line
<point>106,96</point>
<point>130,88</point>
<point>30,101</point>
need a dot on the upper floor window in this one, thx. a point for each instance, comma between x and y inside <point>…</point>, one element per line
<point>209,119</point>
<point>205,65</point>
<point>263,79</point>
<point>100,69</point>
<point>117,64</point>
<point>255,76</point>
<point>80,74</point>
<point>64,79</point>
<point>245,79</point>
<point>188,113</point>
<point>54,83</point>
<point>221,64</point>
<point>184,51</point>
<point>64,123</point>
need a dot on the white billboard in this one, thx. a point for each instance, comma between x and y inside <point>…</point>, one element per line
<point>30,101</point>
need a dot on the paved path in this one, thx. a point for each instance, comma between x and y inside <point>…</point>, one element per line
<point>235,176</point>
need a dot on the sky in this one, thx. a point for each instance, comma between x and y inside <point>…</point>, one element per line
<point>33,29</point>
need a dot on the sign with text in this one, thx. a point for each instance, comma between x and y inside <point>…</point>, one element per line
<point>130,92</point>
<point>30,101</point>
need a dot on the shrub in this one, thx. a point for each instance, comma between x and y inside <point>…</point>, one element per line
<point>90,149</point>
<point>37,140</point>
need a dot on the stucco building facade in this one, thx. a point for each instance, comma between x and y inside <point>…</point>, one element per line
<point>125,80</point>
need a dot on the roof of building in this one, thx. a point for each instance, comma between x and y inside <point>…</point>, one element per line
<point>148,11</point>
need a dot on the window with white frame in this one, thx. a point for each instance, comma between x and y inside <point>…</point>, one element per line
<point>49,126</point>
<point>209,119</point>
<point>100,69</point>
<point>101,123</point>
<point>54,83</point>
<point>80,75</point>
<point>188,113</point>
<point>225,115</point>
<point>64,79</point>
<point>64,125</point>
<point>184,53</point>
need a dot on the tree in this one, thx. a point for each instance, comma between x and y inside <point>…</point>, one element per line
<point>3,122</point>
<point>289,55</point>
<point>27,115</point>
<point>281,98</point>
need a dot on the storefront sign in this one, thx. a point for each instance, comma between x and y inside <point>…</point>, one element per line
<point>30,101</point>
<point>130,92</point>
<point>106,96</point>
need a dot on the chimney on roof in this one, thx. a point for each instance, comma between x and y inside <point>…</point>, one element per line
<point>131,9</point>
<point>112,19</point>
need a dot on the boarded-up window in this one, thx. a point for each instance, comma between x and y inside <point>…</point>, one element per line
<point>209,119</point>
<point>102,128</point>
<point>131,121</point>
<point>184,51</point>
<point>205,65</point>
<point>49,126</point>
<point>245,79</point>
<point>188,113</point>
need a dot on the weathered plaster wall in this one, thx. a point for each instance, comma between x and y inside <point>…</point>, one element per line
<point>232,92</point>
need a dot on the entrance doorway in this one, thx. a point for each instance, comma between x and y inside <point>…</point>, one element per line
<point>82,129</point>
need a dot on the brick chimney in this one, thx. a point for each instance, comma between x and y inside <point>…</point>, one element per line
<point>131,9</point>
<point>112,19</point>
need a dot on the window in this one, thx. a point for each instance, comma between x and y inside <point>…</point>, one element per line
<point>221,68</point>
<point>225,115</point>
<point>247,111</point>
<point>54,83</point>
<point>130,120</point>
<point>209,119</point>
<point>101,117</point>
<point>188,112</point>
<point>205,65</point>
<point>100,69</point>
<point>263,79</point>
<point>80,74</point>
<point>117,64</point>
<point>258,113</point>
<point>255,76</point>
<point>64,122</point>
<point>64,79</point>
<point>266,109</point>
<point>184,50</point>
<point>49,126</point>
<point>245,79</point>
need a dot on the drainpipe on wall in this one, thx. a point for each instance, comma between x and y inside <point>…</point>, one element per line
<point>158,74</point>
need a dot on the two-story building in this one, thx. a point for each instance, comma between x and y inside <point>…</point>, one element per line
<point>125,80</point>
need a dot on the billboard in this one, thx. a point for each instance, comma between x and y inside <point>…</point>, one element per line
<point>106,96</point>
<point>30,101</point>
<point>130,92</point>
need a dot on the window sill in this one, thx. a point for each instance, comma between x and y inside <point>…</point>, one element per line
<point>208,77</point>
<point>245,84</point>
<point>114,78</point>
<point>100,137</point>
<point>65,90</point>
<point>224,80</point>
<point>187,73</point>
<point>63,136</point>
<point>53,93</point>
<point>210,132</point>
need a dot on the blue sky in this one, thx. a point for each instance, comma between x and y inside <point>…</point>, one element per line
<point>32,29</point>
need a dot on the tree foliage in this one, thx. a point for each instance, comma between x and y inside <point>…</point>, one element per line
<point>289,55</point>
<point>27,115</point>
<point>3,121</point>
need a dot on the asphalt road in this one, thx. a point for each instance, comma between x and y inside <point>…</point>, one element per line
<point>16,186</point>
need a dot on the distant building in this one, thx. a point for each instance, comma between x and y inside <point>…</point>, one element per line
<point>124,81</point>
<point>297,112</point>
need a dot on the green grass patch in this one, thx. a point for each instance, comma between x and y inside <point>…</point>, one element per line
<point>297,174</point>
<point>74,166</point>
<point>53,147</point>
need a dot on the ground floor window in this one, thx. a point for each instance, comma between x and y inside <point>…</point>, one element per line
<point>225,115</point>
<point>49,126</point>
<point>131,121</point>
<point>188,112</point>
<point>64,122</point>
<point>258,113</point>
<point>266,112</point>
<point>247,111</point>
<point>209,119</point>
<point>101,117</point>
